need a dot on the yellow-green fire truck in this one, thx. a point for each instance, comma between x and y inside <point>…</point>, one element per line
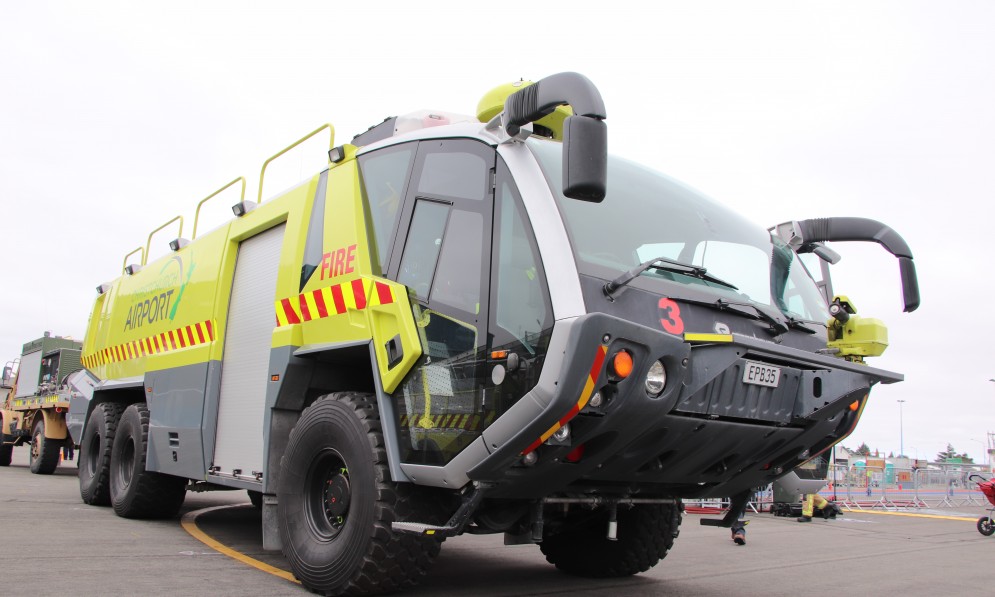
<point>474,324</point>
<point>37,391</point>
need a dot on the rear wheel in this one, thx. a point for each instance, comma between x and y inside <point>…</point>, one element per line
<point>336,504</point>
<point>645,534</point>
<point>6,452</point>
<point>44,457</point>
<point>134,491</point>
<point>986,526</point>
<point>95,454</point>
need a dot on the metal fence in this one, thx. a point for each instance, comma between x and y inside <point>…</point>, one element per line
<point>891,488</point>
<point>888,488</point>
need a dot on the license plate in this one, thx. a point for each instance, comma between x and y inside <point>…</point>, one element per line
<point>760,374</point>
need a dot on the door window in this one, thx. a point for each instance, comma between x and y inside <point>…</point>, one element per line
<point>422,249</point>
<point>444,263</point>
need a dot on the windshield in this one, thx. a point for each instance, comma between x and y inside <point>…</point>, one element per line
<point>647,215</point>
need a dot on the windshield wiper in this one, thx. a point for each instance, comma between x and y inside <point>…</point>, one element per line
<point>798,324</point>
<point>777,327</point>
<point>667,265</point>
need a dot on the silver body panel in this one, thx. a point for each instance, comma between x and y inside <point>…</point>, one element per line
<point>245,365</point>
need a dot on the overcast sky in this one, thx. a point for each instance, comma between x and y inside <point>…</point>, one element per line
<point>116,116</point>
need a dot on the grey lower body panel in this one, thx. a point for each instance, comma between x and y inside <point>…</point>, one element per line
<point>176,417</point>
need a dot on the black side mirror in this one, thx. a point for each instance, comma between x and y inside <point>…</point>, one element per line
<point>585,158</point>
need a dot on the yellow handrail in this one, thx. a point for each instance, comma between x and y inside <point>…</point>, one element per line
<point>124,264</point>
<point>148,243</point>
<point>331,144</point>
<point>196,215</point>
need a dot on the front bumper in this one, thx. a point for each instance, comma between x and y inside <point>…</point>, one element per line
<point>707,435</point>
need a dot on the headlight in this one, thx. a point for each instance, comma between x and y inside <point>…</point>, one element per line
<point>656,379</point>
<point>596,400</point>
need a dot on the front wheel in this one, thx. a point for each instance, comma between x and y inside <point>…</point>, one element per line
<point>136,492</point>
<point>44,457</point>
<point>581,547</point>
<point>336,503</point>
<point>986,526</point>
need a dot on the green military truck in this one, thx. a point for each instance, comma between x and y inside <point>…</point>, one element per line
<point>38,389</point>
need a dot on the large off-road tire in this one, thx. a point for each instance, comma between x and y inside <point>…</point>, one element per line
<point>337,502</point>
<point>95,454</point>
<point>6,452</point>
<point>136,492</point>
<point>582,548</point>
<point>44,456</point>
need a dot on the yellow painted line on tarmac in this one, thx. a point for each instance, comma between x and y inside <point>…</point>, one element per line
<point>912,515</point>
<point>189,524</point>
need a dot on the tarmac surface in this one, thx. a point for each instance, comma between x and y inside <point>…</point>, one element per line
<point>53,544</point>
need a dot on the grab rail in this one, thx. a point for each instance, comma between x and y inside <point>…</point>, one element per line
<point>262,173</point>
<point>124,264</point>
<point>148,243</point>
<point>196,216</point>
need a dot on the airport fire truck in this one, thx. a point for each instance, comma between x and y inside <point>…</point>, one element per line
<point>475,324</point>
<point>38,388</point>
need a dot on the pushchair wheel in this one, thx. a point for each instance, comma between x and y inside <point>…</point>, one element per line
<point>986,526</point>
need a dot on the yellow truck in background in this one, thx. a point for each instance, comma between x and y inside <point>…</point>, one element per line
<point>474,324</point>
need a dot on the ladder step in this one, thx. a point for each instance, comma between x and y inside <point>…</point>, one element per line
<point>422,529</point>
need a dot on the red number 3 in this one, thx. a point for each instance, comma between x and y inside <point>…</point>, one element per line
<point>670,316</point>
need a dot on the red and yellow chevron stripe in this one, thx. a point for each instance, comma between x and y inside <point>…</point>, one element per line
<point>182,337</point>
<point>356,294</point>
<point>585,395</point>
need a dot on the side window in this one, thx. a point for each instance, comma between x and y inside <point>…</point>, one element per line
<point>421,251</point>
<point>521,312</point>
<point>521,308</point>
<point>384,174</point>
<point>312,246</point>
<point>454,175</point>
<point>457,280</point>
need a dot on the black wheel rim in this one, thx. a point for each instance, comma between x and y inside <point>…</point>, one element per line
<point>126,463</point>
<point>36,445</point>
<point>92,454</point>
<point>328,495</point>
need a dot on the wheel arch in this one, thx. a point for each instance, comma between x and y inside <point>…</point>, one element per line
<point>124,393</point>
<point>309,373</point>
<point>55,423</point>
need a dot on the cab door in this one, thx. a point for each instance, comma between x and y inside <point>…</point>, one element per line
<point>441,253</point>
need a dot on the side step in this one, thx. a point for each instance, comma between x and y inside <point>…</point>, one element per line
<point>456,523</point>
<point>737,505</point>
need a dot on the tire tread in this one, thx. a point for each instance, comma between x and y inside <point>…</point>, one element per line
<point>150,494</point>
<point>97,492</point>
<point>48,457</point>
<point>393,561</point>
<point>644,538</point>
